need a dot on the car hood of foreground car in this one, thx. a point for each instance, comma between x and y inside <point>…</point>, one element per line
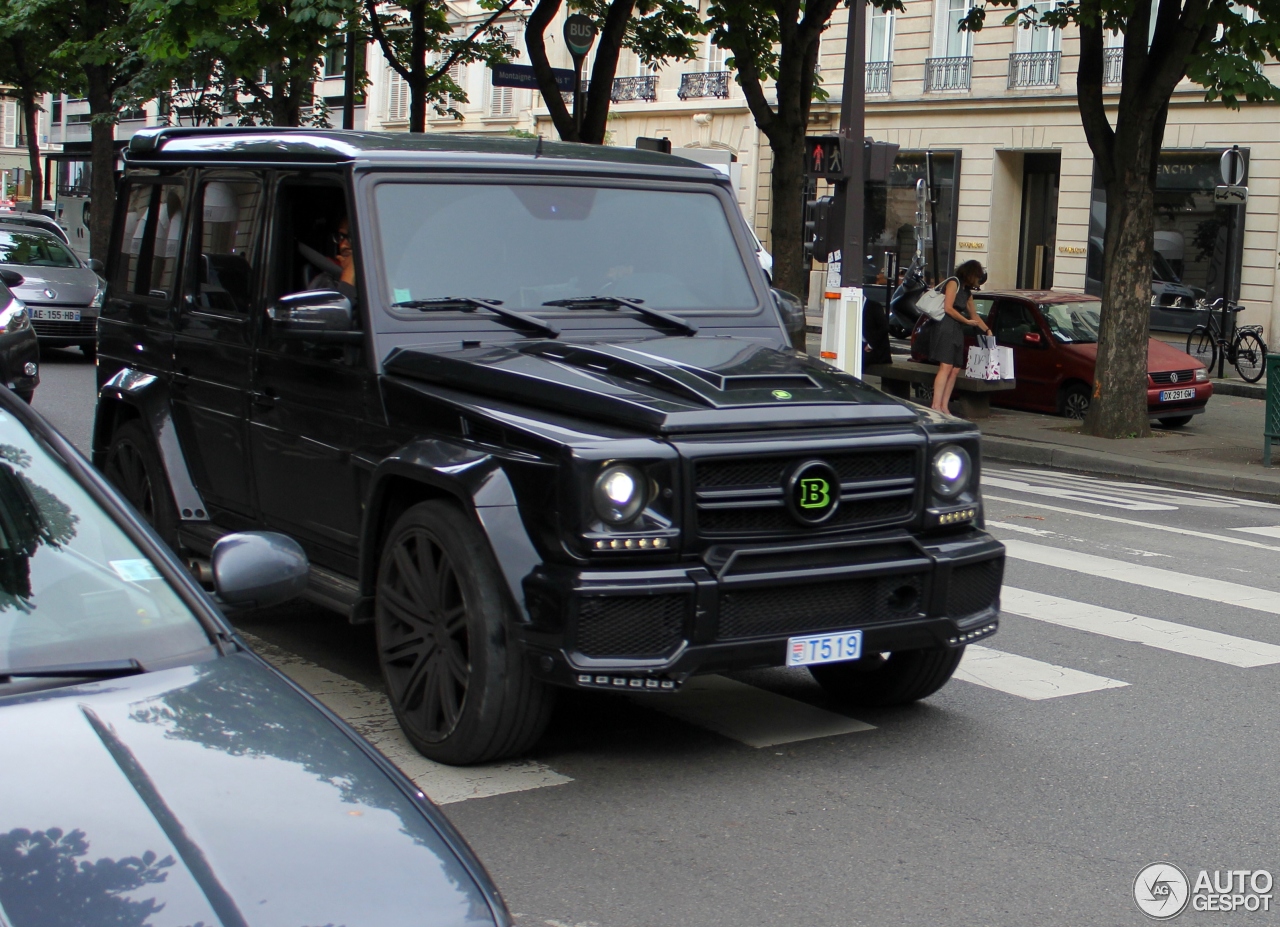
<point>662,385</point>
<point>70,286</point>
<point>1161,357</point>
<point>213,793</point>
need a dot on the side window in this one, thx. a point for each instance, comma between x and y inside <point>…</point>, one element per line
<point>150,240</point>
<point>167,240</point>
<point>1012,322</point>
<point>227,253</point>
<point>982,305</point>
<point>129,262</point>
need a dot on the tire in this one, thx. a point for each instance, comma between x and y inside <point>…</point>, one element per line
<point>880,681</point>
<point>89,349</point>
<point>1175,421</point>
<point>461,692</point>
<point>26,395</point>
<point>133,466</point>
<point>1251,357</point>
<point>1202,346</point>
<point>1074,401</point>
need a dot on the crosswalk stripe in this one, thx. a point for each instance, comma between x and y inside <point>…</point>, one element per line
<point>1025,677</point>
<point>755,717</point>
<point>1081,494</point>
<point>1270,531</point>
<point>1127,626</point>
<point>370,714</point>
<point>1199,587</point>
<point>1172,493</point>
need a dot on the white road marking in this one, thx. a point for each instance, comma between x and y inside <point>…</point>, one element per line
<point>1022,529</point>
<point>1127,626</point>
<point>1043,533</point>
<point>1273,532</point>
<point>369,712</point>
<point>1083,494</point>
<point>1026,678</point>
<point>1168,529</point>
<point>1198,587</point>
<point>1085,480</point>
<point>749,715</point>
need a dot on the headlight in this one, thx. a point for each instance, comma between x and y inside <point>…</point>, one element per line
<point>619,494</point>
<point>1202,375</point>
<point>14,317</point>
<point>950,471</point>
<point>98,297</point>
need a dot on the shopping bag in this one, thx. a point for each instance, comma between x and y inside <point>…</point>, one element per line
<point>1006,363</point>
<point>975,365</point>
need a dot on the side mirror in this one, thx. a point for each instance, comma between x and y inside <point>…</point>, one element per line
<point>311,312</point>
<point>97,266</point>
<point>792,312</point>
<point>254,569</point>
<point>11,278</point>
<point>1031,338</point>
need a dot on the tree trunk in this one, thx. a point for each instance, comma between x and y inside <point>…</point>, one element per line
<point>535,43</point>
<point>787,222</point>
<point>29,113</point>
<point>102,157</point>
<point>603,71</point>
<point>418,68</point>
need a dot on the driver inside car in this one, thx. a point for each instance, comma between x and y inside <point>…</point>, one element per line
<point>343,262</point>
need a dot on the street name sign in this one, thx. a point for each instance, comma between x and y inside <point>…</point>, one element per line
<point>521,75</point>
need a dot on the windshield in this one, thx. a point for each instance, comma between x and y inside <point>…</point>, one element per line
<point>1075,323</point>
<point>34,249</point>
<point>526,244</point>
<point>73,587</point>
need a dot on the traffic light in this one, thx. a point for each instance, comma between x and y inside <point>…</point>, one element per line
<point>818,238</point>
<point>877,160</point>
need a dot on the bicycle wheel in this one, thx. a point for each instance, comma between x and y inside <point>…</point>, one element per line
<point>1251,356</point>
<point>1201,346</point>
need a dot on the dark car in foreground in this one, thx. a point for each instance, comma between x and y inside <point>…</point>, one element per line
<point>150,762</point>
<point>63,294</point>
<point>553,435</point>
<point>1054,337</point>
<point>19,350</point>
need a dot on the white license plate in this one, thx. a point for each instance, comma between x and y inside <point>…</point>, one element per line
<point>824,648</point>
<point>55,315</point>
<point>1171,395</point>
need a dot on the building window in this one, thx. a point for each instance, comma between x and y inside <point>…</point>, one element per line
<point>948,40</point>
<point>890,230</point>
<point>56,112</point>
<point>397,96</point>
<point>335,59</point>
<point>502,102</point>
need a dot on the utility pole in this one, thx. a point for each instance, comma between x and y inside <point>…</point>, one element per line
<point>852,131</point>
<point>349,85</point>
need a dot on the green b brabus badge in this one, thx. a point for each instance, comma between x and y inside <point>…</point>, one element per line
<point>812,492</point>
<point>781,394</point>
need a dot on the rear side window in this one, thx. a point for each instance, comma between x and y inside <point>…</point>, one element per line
<point>151,240</point>
<point>227,235</point>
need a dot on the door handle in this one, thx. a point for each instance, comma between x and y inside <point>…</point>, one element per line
<point>265,399</point>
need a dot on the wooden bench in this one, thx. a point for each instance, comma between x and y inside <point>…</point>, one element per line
<point>971,398</point>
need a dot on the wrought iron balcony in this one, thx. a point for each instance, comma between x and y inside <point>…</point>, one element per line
<point>879,76</point>
<point>1112,65</point>
<point>696,84</point>
<point>567,95</point>
<point>629,89</point>
<point>947,73</point>
<point>1034,69</point>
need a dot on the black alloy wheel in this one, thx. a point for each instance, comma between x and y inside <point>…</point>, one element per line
<point>133,465</point>
<point>1251,357</point>
<point>460,691</point>
<point>881,680</point>
<point>1203,346</point>
<point>1074,402</point>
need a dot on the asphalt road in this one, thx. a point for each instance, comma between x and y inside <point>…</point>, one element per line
<point>1125,714</point>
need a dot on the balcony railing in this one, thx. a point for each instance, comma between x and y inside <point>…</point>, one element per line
<point>1034,69</point>
<point>1112,65</point>
<point>630,89</point>
<point>879,76</point>
<point>567,95</point>
<point>698,84</point>
<point>946,73</point>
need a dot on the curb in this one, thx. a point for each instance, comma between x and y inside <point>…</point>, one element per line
<point>1012,450</point>
<point>1236,388</point>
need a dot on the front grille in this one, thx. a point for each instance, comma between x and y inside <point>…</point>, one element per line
<point>1185,378</point>
<point>85,328</point>
<point>630,626</point>
<point>850,603</point>
<point>974,587</point>
<point>744,497</point>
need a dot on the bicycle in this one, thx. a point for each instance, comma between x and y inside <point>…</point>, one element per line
<point>1246,351</point>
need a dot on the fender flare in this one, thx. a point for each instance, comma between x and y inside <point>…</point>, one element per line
<point>473,479</point>
<point>147,394</point>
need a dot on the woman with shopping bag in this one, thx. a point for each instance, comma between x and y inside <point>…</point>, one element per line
<point>946,343</point>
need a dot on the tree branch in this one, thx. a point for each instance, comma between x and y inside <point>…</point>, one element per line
<point>535,43</point>
<point>461,48</point>
<point>600,93</point>
<point>1093,115</point>
<point>385,43</point>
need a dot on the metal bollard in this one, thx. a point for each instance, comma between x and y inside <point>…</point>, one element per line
<point>1271,424</point>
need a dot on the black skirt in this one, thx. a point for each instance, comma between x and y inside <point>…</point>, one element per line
<point>946,342</point>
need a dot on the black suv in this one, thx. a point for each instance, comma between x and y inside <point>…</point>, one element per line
<point>532,409</point>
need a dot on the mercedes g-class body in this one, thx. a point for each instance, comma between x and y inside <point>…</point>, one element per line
<point>533,410</point>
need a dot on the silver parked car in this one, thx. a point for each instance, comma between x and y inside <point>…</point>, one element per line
<point>34,220</point>
<point>63,294</point>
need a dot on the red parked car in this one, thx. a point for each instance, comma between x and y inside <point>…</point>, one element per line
<point>1054,339</point>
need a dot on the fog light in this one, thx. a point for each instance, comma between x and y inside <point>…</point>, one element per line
<point>30,368</point>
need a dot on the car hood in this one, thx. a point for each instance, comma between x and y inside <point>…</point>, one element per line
<point>217,793</point>
<point>664,385</point>
<point>71,286</point>
<point>1161,357</point>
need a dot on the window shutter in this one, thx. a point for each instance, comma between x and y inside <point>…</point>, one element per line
<point>502,101</point>
<point>10,124</point>
<point>397,96</point>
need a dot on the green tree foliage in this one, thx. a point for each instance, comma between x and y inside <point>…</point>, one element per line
<point>26,65</point>
<point>656,30</point>
<point>1218,44</point>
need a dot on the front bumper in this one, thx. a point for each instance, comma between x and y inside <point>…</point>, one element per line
<point>61,334</point>
<point>736,608</point>
<point>1193,406</point>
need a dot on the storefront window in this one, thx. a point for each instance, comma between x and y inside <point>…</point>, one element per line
<point>891,216</point>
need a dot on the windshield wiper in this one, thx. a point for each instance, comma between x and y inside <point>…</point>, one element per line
<point>99,669</point>
<point>613,302</point>
<point>471,303</point>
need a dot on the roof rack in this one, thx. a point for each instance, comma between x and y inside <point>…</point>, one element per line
<point>151,139</point>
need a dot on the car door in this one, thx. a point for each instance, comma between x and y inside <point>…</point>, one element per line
<point>1016,326</point>
<point>312,401</point>
<point>213,357</point>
